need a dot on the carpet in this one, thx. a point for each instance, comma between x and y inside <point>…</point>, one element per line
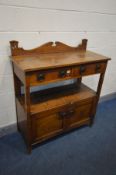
<point>85,151</point>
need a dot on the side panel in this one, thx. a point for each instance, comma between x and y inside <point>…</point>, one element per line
<point>22,120</point>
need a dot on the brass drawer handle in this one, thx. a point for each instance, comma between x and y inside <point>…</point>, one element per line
<point>82,69</point>
<point>41,76</point>
<point>62,73</point>
<point>98,67</point>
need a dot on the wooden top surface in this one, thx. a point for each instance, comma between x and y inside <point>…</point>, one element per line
<point>54,60</point>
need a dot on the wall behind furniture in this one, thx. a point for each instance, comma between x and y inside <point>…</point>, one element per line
<point>33,22</point>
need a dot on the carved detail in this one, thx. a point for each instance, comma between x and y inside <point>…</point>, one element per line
<point>50,47</point>
<point>14,46</point>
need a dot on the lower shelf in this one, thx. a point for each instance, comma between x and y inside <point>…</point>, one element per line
<point>53,98</point>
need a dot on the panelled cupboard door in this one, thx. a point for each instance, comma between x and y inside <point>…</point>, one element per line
<point>44,127</point>
<point>79,115</point>
<point>48,125</point>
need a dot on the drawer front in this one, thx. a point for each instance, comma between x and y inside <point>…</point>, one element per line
<point>48,76</point>
<point>44,127</point>
<point>45,76</point>
<point>89,69</point>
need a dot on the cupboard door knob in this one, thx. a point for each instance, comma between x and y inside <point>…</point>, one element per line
<point>63,114</point>
<point>62,73</point>
<point>41,76</point>
<point>71,112</point>
<point>98,66</point>
<point>67,113</point>
<point>82,69</point>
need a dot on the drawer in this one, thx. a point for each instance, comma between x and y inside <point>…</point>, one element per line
<point>47,125</point>
<point>89,69</point>
<point>46,76</point>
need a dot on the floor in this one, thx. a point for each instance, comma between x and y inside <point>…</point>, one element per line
<point>86,151</point>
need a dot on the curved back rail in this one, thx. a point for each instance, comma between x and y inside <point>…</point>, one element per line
<point>49,47</point>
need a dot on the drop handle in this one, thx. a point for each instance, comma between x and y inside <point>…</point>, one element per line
<point>62,73</point>
<point>82,69</point>
<point>41,76</point>
<point>63,114</point>
<point>98,66</point>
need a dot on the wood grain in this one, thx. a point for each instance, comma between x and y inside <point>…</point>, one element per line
<point>55,60</point>
<point>50,47</point>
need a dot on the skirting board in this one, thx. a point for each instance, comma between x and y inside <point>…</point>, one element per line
<point>8,129</point>
<point>107,97</point>
<point>13,127</point>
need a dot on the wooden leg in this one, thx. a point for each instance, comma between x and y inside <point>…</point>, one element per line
<point>17,87</point>
<point>91,121</point>
<point>95,102</point>
<point>93,112</point>
<point>101,79</point>
<point>78,81</point>
<point>27,105</point>
<point>29,149</point>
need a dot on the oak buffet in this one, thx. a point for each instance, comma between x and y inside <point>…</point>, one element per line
<point>43,114</point>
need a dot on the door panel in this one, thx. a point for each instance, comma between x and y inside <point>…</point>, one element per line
<point>46,126</point>
<point>81,114</point>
